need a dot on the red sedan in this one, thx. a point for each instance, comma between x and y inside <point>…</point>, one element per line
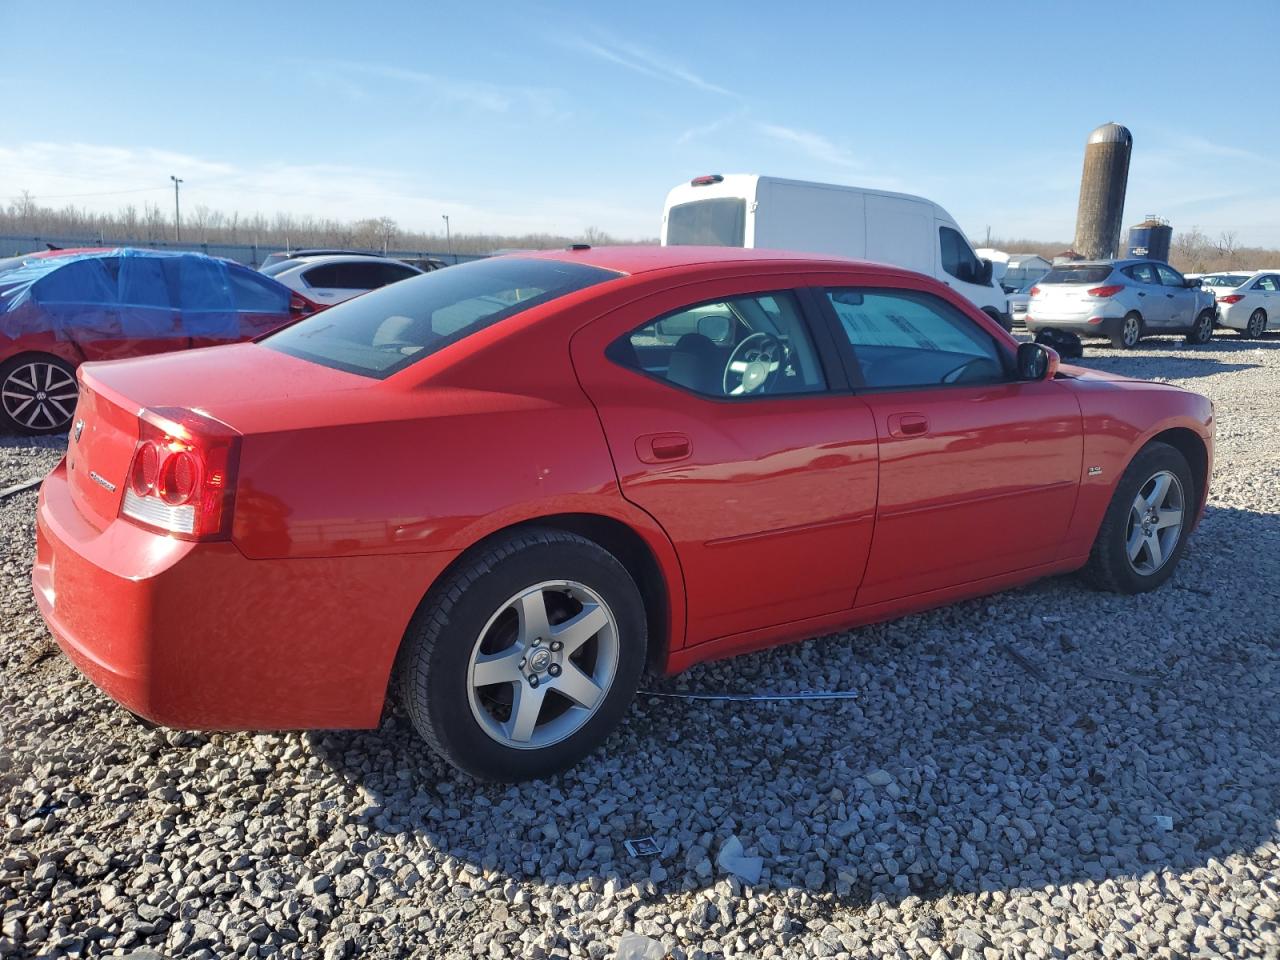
<point>61,307</point>
<point>504,489</point>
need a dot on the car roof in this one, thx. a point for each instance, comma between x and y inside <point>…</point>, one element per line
<point>313,259</point>
<point>646,259</point>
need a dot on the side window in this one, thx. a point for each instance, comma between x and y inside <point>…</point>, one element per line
<point>902,338</point>
<point>1267,283</point>
<point>325,275</point>
<point>253,294</point>
<point>957,259</point>
<point>747,346</point>
<point>1142,272</point>
<point>1169,276</point>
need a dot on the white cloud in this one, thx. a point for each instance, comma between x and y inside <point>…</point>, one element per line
<point>812,144</point>
<point>643,61</point>
<point>491,97</point>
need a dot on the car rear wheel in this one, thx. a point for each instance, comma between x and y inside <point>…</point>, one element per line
<point>1202,332</point>
<point>38,394</point>
<point>1143,534</point>
<point>524,659</point>
<point>1130,332</point>
<point>1257,324</point>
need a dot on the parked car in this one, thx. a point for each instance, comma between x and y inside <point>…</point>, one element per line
<point>500,491</point>
<point>747,210</point>
<point>60,308</point>
<point>280,255</point>
<point>1122,300</point>
<point>1018,300</point>
<point>1246,302</point>
<point>333,278</point>
<point>425,264</point>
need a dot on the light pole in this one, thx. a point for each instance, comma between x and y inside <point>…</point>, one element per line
<point>177,211</point>
<point>448,237</point>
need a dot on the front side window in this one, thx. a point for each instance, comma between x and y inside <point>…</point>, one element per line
<point>957,258</point>
<point>1169,276</point>
<point>388,329</point>
<point>746,346</point>
<point>708,223</point>
<point>902,338</point>
<point>1267,283</point>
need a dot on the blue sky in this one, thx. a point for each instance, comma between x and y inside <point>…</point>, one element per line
<point>548,116</point>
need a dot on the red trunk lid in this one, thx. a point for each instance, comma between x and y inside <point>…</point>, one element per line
<point>104,434</point>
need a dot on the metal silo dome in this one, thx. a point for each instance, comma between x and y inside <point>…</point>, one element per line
<point>1111,133</point>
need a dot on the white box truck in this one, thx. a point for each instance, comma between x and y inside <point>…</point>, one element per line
<point>748,210</point>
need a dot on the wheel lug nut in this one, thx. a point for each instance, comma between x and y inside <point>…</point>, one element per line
<point>533,679</point>
<point>556,646</point>
<point>554,669</point>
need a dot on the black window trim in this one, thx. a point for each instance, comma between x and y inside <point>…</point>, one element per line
<point>848,354</point>
<point>811,319</point>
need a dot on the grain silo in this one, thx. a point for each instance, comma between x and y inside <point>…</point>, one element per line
<point>1151,239</point>
<point>1106,174</point>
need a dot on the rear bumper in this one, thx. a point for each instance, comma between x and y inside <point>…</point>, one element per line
<point>196,635</point>
<point>1080,327</point>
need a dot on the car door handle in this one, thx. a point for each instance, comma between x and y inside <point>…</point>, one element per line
<point>663,447</point>
<point>1142,293</point>
<point>908,424</point>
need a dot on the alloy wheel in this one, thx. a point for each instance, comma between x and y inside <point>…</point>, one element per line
<point>1204,333</point>
<point>39,395</point>
<point>1130,331</point>
<point>543,664</point>
<point>1155,523</point>
<point>1257,323</point>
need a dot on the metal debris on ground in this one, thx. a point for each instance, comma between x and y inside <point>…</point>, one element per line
<point>755,697</point>
<point>19,487</point>
<point>642,847</point>
<point>1024,662</point>
<point>1115,676</point>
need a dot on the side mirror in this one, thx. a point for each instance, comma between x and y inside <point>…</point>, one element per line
<point>985,268</point>
<point>1037,362</point>
<point>1193,282</point>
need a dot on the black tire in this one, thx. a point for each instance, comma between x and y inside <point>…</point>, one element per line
<point>1202,332</point>
<point>1109,567</point>
<point>1257,325</point>
<point>1005,321</point>
<point>1129,332</point>
<point>435,656</point>
<point>29,373</point>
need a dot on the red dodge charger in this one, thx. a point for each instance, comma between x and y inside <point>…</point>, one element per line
<point>504,489</point>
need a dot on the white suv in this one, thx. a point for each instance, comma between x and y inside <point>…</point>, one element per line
<point>331,278</point>
<point>1122,300</point>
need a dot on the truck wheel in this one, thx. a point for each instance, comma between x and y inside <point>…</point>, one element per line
<point>1130,332</point>
<point>523,660</point>
<point>1143,532</point>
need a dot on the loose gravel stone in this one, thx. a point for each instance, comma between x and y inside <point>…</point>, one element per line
<point>1113,789</point>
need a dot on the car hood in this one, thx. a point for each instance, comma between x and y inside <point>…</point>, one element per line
<point>1088,374</point>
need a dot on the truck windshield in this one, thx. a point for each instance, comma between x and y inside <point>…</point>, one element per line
<point>385,330</point>
<point>708,223</point>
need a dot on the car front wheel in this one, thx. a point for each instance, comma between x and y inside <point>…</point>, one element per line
<point>38,394</point>
<point>524,659</point>
<point>1143,534</point>
<point>1202,332</point>
<point>1129,332</point>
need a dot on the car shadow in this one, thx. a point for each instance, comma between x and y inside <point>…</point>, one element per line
<point>1010,742</point>
<point>1182,364</point>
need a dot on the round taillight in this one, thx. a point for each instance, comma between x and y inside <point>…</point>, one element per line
<point>146,470</point>
<point>179,478</point>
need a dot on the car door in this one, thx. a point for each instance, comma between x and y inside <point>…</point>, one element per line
<point>1149,295</point>
<point>1180,298</point>
<point>756,461</point>
<point>978,471</point>
<point>1266,291</point>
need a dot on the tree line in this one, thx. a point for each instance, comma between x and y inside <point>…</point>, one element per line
<point>1192,251</point>
<point>153,223</point>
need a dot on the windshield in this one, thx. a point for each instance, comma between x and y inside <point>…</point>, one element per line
<point>708,223</point>
<point>1077,274</point>
<point>386,330</point>
<point>1223,279</point>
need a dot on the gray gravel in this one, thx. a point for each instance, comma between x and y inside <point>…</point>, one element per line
<point>1047,772</point>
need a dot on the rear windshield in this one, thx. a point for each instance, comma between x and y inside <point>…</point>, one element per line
<point>708,223</point>
<point>1082,274</point>
<point>385,330</point>
<point>1223,279</point>
<point>271,268</point>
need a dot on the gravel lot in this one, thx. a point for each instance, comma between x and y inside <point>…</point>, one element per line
<point>1047,772</point>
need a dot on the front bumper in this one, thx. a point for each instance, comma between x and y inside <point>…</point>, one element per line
<point>196,635</point>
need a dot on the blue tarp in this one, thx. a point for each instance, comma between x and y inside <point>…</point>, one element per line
<point>124,293</point>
